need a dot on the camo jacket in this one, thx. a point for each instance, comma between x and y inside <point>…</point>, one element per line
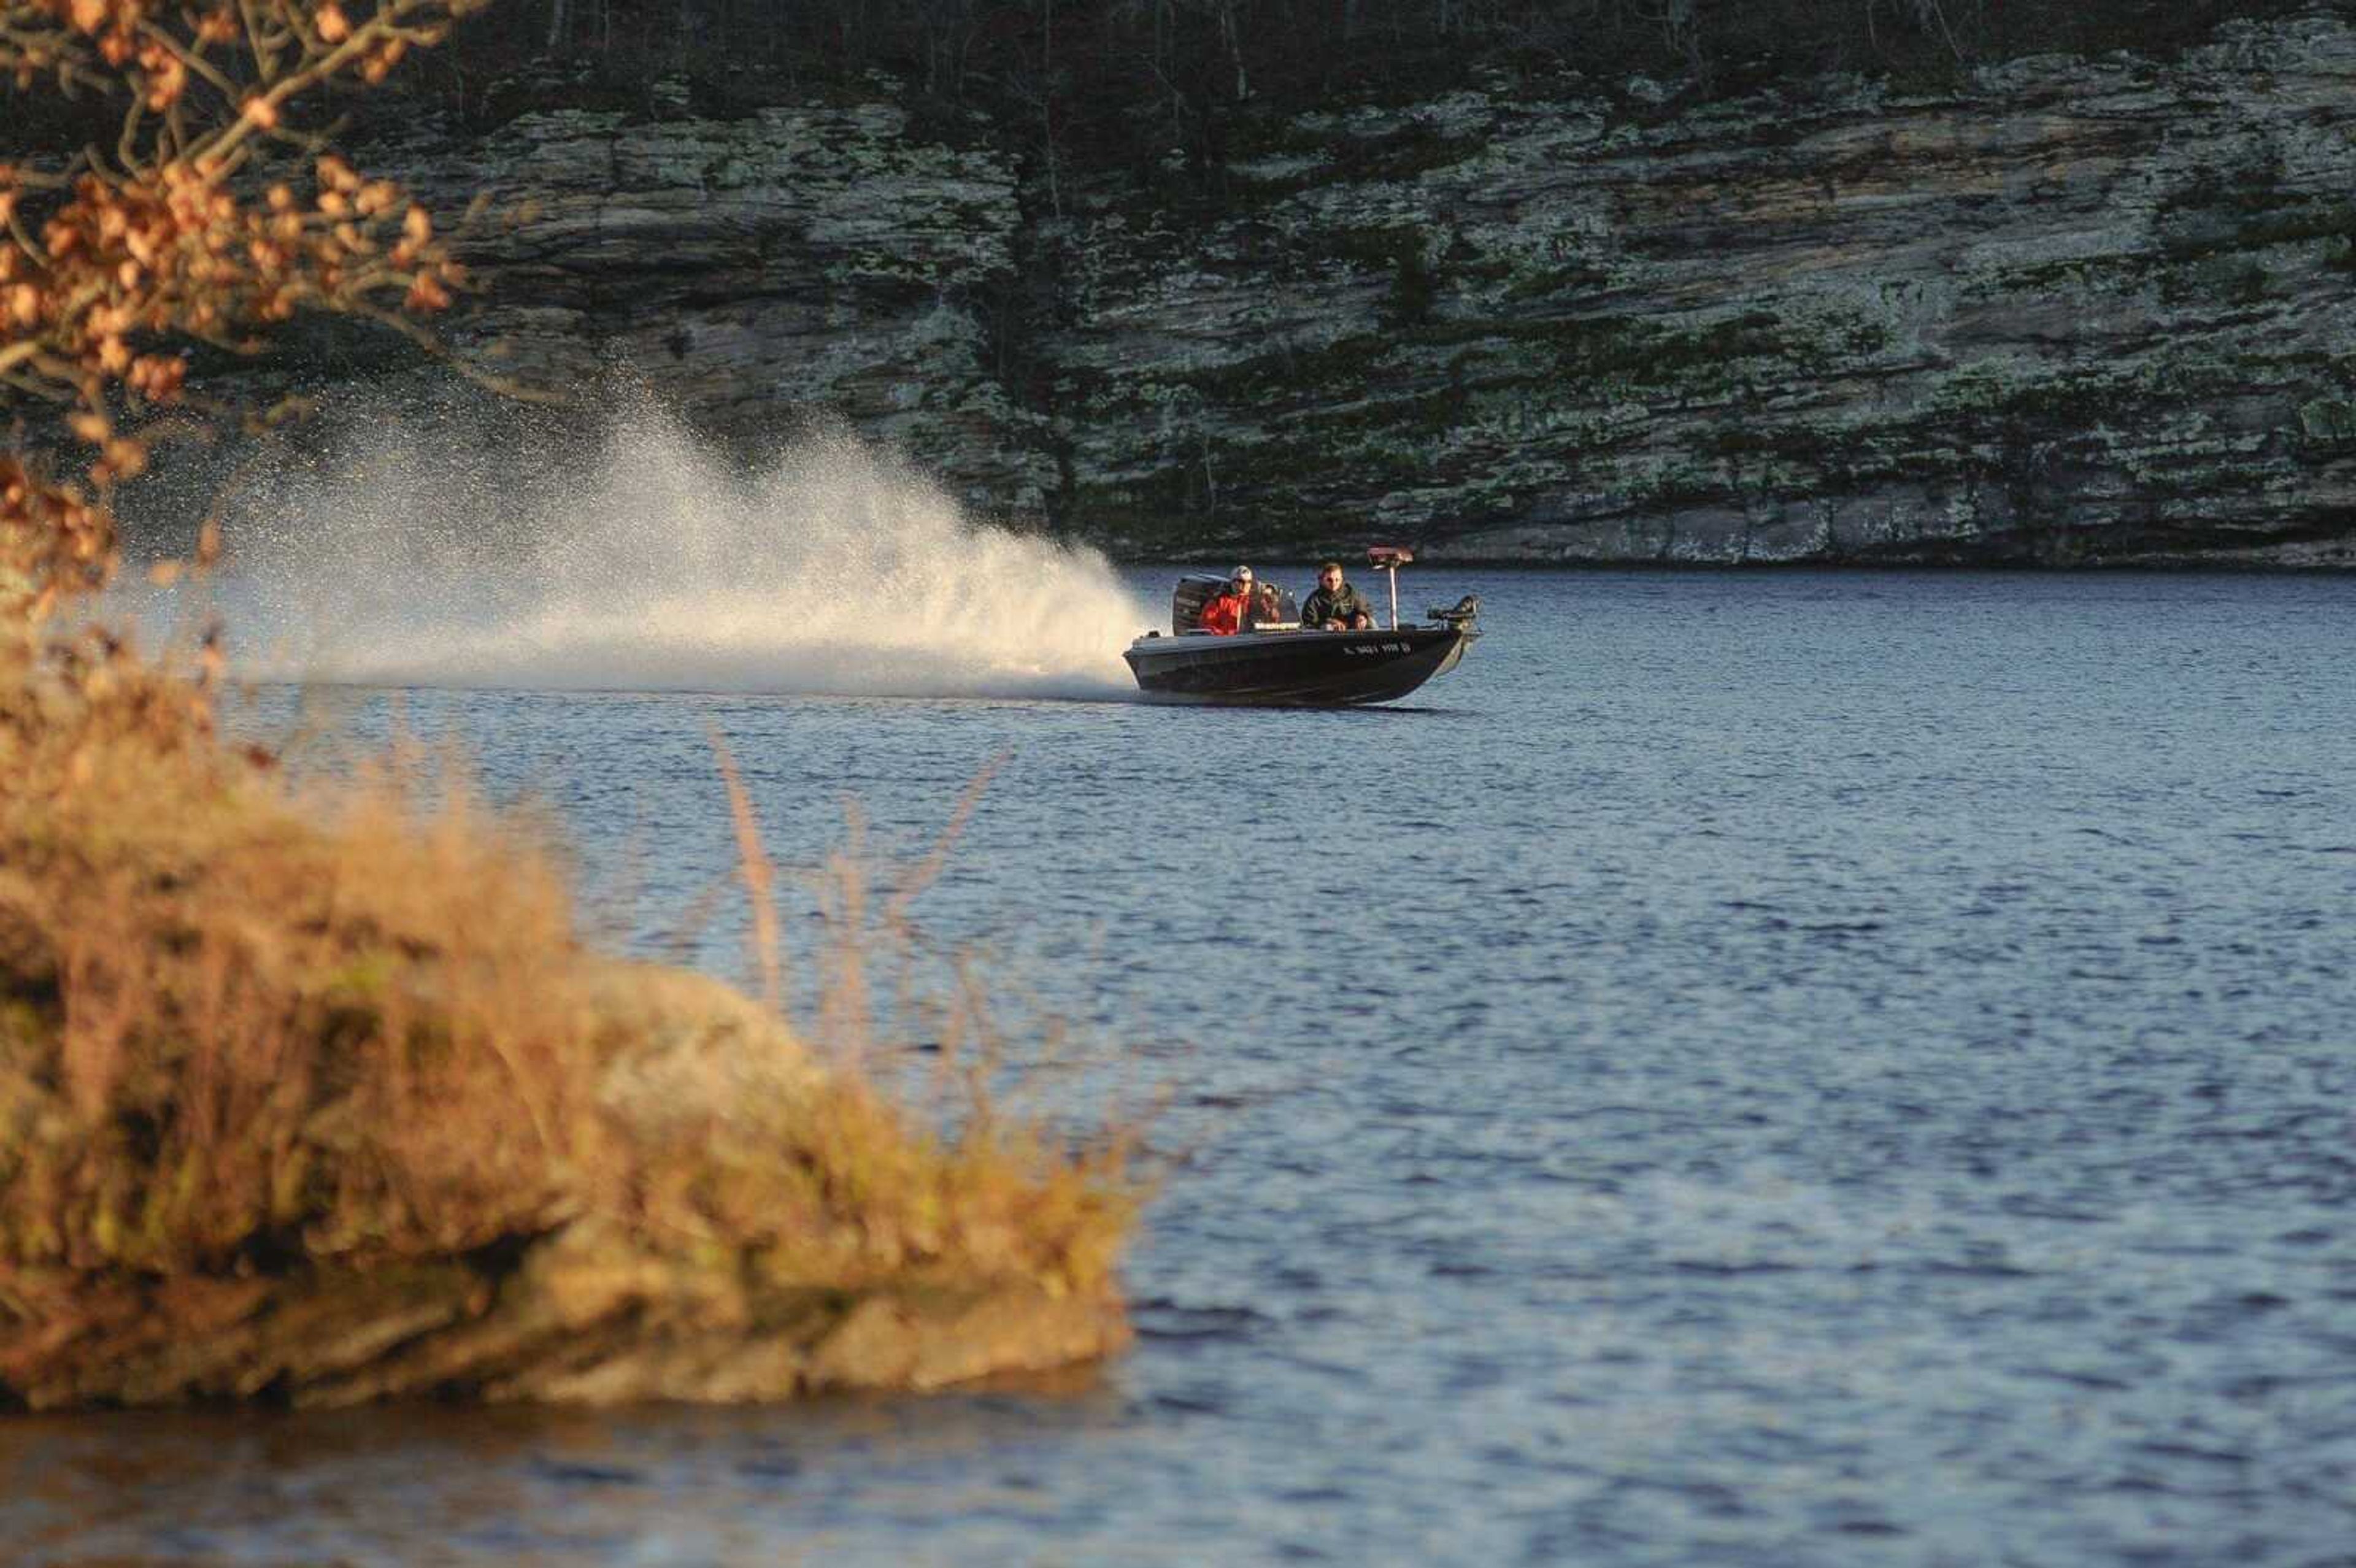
<point>1345,607</point>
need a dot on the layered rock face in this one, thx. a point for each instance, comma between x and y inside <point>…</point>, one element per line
<point>2071,312</point>
<point>753,272</point>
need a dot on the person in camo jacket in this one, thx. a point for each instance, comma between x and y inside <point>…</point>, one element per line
<point>1336,606</point>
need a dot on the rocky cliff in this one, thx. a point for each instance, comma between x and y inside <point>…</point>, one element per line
<point>2065,310</point>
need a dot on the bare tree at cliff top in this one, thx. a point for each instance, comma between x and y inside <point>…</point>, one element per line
<point>195,208</point>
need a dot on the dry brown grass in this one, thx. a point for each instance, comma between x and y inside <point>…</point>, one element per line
<point>248,1027</point>
<point>345,1040</point>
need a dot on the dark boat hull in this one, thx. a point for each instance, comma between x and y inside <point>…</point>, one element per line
<point>1295,669</point>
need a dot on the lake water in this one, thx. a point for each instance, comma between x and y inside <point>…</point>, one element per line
<point>1750,1068</point>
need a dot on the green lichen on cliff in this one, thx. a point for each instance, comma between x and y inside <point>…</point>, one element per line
<point>2054,291</point>
<point>2060,295</point>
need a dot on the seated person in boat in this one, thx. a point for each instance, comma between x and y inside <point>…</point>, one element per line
<point>1336,606</point>
<point>1235,610</point>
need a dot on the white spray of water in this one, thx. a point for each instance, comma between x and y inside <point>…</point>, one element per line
<point>640,559</point>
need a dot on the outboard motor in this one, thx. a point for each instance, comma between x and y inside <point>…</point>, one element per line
<point>1194,590</point>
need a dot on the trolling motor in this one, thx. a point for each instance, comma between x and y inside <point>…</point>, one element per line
<point>1464,616</point>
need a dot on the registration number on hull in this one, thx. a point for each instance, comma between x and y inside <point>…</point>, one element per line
<point>1373,647</point>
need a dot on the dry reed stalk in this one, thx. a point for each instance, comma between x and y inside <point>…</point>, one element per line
<point>846,1012</point>
<point>759,878</point>
<point>927,871</point>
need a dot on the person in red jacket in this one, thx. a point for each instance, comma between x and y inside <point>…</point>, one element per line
<point>1224,613</point>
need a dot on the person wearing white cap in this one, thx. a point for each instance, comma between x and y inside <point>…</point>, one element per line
<point>1225,613</point>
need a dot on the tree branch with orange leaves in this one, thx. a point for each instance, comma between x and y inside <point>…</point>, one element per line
<point>196,226</point>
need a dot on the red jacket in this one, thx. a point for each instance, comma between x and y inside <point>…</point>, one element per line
<point>1223,614</point>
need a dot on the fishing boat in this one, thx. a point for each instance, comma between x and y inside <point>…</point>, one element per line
<point>1274,661</point>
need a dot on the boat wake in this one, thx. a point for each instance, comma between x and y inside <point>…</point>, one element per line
<point>639,558</point>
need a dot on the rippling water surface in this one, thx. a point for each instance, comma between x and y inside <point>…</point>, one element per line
<point>1750,1070</point>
